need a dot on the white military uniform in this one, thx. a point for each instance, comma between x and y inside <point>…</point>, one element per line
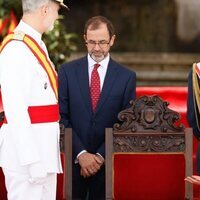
<point>24,83</point>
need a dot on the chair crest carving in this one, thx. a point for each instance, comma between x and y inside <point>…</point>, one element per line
<point>148,113</point>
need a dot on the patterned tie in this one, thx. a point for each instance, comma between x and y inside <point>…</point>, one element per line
<point>95,87</point>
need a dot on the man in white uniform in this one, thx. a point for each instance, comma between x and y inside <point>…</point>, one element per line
<point>29,137</point>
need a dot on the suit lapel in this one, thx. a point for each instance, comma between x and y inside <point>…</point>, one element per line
<point>83,80</point>
<point>108,84</point>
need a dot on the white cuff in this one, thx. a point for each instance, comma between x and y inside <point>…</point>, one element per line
<point>100,155</point>
<point>76,160</point>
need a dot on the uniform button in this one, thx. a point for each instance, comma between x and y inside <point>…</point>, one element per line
<point>45,86</point>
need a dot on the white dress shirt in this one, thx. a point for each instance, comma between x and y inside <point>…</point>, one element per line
<point>102,69</point>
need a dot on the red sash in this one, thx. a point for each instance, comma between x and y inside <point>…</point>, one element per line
<point>42,114</point>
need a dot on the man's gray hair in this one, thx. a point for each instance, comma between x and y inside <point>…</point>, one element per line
<point>31,5</point>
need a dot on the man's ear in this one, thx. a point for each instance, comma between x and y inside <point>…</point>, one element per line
<point>112,40</point>
<point>44,10</point>
<point>84,37</point>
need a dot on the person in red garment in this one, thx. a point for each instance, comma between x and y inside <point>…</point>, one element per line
<point>29,136</point>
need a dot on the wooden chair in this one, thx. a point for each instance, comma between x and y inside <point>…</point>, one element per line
<point>148,127</point>
<point>66,148</point>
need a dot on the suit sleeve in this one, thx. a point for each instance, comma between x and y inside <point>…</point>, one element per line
<point>191,117</point>
<point>129,94</point>
<point>64,100</point>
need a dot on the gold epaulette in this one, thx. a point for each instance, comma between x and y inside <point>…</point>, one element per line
<point>18,35</point>
<point>196,94</point>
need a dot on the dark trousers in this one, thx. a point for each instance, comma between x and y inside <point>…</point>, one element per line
<point>92,188</point>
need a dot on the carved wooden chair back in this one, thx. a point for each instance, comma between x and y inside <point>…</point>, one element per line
<point>148,127</point>
<point>66,148</point>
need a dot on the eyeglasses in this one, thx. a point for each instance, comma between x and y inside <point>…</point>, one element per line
<point>102,44</point>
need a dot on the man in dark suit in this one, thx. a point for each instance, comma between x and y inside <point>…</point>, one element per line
<point>193,105</point>
<point>92,91</point>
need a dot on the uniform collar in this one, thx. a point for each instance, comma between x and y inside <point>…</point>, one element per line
<point>27,29</point>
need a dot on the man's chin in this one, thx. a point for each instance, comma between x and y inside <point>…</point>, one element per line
<point>50,28</point>
<point>97,58</point>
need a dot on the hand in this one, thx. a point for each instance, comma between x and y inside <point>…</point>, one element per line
<point>89,163</point>
<point>193,179</point>
<point>37,173</point>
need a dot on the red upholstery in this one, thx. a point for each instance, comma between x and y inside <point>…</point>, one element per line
<point>156,184</point>
<point>127,185</point>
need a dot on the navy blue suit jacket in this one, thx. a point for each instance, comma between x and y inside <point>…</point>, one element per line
<point>192,118</point>
<point>75,103</point>
<point>190,108</point>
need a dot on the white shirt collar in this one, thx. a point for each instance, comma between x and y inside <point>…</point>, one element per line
<point>103,63</point>
<point>27,29</point>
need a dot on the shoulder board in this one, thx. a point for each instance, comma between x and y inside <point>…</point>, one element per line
<point>19,35</point>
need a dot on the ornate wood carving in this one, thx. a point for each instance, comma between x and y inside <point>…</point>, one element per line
<point>62,133</point>
<point>149,126</point>
<point>149,143</point>
<point>148,113</point>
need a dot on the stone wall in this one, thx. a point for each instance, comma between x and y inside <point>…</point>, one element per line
<point>156,69</point>
<point>159,39</point>
<point>142,25</point>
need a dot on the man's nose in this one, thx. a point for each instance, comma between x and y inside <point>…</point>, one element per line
<point>96,46</point>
